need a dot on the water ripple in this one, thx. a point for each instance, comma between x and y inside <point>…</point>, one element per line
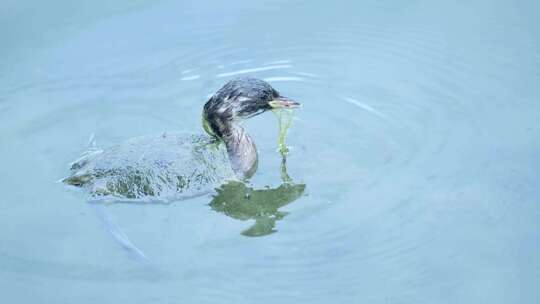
<point>365,107</point>
<point>404,119</point>
<point>253,70</point>
<point>283,78</point>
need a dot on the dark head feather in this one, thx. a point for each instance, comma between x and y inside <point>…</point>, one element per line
<point>238,99</point>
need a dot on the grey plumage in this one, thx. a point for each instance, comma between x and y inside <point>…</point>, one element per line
<point>175,165</point>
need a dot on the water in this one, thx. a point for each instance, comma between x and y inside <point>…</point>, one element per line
<point>418,143</point>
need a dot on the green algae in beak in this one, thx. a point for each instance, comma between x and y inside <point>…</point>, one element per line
<point>285,118</point>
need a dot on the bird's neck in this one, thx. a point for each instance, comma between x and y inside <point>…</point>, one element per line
<point>241,150</point>
<point>240,147</point>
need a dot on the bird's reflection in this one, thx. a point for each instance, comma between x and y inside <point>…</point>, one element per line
<point>241,202</point>
<point>233,199</point>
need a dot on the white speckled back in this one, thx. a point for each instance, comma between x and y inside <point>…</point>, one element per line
<point>163,167</point>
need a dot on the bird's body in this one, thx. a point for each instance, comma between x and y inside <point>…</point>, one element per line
<point>165,166</point>
<point>175,165</point>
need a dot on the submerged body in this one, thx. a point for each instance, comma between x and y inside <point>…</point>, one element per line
<point>170,165</point>
<point>175,165</point>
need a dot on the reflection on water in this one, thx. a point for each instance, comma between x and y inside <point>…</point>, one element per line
<point>234,199</point>
<point>241,202</point>
<point>419,144</point>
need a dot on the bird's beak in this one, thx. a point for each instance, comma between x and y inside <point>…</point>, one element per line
<point>283,103</point>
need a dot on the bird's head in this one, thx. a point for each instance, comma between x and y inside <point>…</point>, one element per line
<point>240,99</point>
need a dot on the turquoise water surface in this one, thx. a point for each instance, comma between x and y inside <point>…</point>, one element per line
<point>415,157</point>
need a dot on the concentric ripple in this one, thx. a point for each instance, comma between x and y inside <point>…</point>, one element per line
<point>417,141</point>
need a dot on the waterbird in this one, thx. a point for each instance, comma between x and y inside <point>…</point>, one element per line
<point>178,165</point>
